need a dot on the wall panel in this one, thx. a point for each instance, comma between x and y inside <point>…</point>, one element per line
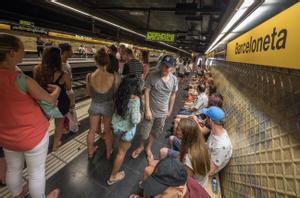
<point>262,106</point>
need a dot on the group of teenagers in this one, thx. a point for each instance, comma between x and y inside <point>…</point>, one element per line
<point>123,96</point>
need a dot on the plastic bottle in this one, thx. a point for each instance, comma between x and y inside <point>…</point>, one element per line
<point>214,185</point>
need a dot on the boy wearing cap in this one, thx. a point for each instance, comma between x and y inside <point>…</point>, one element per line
<point>160,92</point>
<point>170,179</point>
<point>218,142</point>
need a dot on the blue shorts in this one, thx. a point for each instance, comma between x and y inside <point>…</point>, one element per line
<point>184,112</point>
<point>126,136</point>
<point>176,143</point>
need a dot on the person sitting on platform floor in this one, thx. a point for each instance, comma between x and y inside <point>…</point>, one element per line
<point>219,143</point>
<point>191,150</point>
<point>199,104</point>
<point>169,179</point>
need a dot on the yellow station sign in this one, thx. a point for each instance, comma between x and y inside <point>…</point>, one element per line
<point>79,38</point>
<point>275,42</point>
<point>4,26</point>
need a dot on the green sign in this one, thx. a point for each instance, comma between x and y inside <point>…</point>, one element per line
<point>158,36</point>
<point>26,23</point>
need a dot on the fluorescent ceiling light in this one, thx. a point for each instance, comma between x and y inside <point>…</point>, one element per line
<point>237,15</point>
<point>109,23</point>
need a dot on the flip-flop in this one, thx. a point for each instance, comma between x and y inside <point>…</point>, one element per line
<point>134,196</point>
<point>54,193</point>
<point>111,182</point>
<point>141,185</point>
<point>135,154</point>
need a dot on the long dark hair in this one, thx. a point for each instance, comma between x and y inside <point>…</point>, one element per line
<point>8,42</point>
<point>51,63</point>
<point>128,87</point>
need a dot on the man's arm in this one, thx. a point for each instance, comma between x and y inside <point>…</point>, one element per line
<point>213,168</point>
<point>171,102</point>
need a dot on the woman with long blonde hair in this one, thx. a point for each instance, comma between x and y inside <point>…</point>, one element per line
<point>194,151</point>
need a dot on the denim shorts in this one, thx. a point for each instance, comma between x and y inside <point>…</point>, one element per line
<point>184,112</point>
<point>102,109</point>
<point>153,126</point>
<point>126,136</point>
<point>176,143</point>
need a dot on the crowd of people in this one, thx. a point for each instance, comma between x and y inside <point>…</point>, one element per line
<point>124,95</point>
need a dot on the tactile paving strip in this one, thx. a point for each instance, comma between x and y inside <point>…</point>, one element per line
<point>57,160</point>
<point>262,106</point>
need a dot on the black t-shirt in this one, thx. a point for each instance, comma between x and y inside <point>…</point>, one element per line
<point>113,65</point>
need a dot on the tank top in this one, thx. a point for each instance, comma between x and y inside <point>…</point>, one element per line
<point>98,97</point>
<point>63,99</point>
<point>22,123</point>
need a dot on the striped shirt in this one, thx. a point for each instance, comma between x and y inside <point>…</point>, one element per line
<point>133,67</point>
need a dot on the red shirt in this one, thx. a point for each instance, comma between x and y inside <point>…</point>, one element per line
<point>195,190</point>
<point>22,123</point>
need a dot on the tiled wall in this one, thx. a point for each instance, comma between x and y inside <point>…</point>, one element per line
<point>262,106</point>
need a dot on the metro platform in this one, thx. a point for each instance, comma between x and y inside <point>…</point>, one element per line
<point>69,169</point>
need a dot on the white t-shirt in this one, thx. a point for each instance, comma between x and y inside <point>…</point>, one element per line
<point>181,68</point>
<point>67,68</point>
<point>220,149</point>
<point>201,102</point>
<point>200,178</point>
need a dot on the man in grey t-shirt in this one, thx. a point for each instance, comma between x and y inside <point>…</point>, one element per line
<point>160,91</point>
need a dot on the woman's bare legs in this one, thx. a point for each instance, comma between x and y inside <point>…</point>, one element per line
<point>108,137</point>
<point>59,127</point>
<point>94,124</point>
<point>123,147</point>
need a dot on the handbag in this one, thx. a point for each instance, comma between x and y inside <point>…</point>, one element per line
<point>49,110</point>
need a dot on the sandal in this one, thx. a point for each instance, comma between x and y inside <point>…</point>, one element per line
<point>134,196</point>
<point>136,153</point>
<point>92,155</point>
<point>113,181</point>
<point>54,193</point>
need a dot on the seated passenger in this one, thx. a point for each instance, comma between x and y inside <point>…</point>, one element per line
<point>169,179</point>
<point>23,126</point>
<point>199,104</point>
<point>193,150</point>
<point>211,89</point>
<point>124,121</point>
<point>215,99</point>
<point>218,142</point>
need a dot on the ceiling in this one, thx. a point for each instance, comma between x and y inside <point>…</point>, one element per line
<point>193,26</point>
<point>193,22</point>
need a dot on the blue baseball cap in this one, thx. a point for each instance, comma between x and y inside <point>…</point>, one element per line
<point>167,60</point>
<point>216,114</point>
